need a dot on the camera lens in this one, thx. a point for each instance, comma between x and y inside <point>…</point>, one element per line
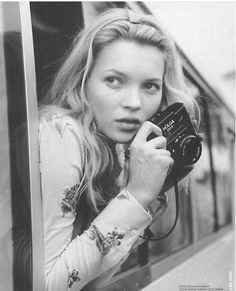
<point>191,149</point>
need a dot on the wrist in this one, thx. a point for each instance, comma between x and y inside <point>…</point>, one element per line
<point>140,197</point>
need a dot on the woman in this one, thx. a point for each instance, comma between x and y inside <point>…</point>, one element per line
<point>119,72</point>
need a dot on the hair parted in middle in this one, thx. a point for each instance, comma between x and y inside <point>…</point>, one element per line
<point>68,90</point>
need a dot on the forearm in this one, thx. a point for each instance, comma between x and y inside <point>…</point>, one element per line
<point>108,240</point>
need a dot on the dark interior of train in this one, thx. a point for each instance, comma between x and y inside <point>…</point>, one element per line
<point>54,25</point>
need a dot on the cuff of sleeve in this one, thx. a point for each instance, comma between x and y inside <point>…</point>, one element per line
<point>125,215</point>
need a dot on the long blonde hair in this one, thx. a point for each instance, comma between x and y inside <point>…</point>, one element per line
<point>68,88</point>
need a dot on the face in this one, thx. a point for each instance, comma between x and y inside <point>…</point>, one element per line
<point>124,88</point>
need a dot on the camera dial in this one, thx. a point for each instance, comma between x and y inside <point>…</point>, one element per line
<point>191,149</point>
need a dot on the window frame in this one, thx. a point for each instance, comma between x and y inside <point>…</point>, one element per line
<point>32,128</point>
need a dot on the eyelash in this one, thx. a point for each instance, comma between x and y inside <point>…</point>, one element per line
<point>156,86</point>
<point>110,81</point>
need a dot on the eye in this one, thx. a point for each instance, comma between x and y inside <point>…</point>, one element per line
<point>114,81</point>
<point>151,87</point>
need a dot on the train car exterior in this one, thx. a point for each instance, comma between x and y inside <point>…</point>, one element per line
<point>198,253</point>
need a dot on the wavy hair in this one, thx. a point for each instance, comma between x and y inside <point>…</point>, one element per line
<point>68,88</point>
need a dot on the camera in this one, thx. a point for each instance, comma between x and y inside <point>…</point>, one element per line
<point>182,140</point>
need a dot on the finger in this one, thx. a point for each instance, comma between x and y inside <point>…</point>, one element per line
<point>195,124</point>
<point>145,130</point>
<point>164,152</point>
<point>170,166</point>
<point>159,142</point>
<point>163,160</point>
<point>201,136</point>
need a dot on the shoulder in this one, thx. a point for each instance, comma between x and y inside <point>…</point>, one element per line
<point>59,122</point>
<point>61,138</point>
<point>60,132</point>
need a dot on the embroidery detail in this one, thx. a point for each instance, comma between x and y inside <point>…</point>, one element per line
<point>60,123</point>
<point>103,243</point>
<point>69,202</point>
<point>124,194</point>
<point>115,237</point>
<point>73,277</point>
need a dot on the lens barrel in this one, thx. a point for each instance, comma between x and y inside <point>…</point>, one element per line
<point>191,149</point>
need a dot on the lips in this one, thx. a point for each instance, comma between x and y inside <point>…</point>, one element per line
<point>128,123</point>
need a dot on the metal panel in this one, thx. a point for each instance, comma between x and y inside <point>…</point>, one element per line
<point>32,115</point>
<point>133,280</point>
<point>161,268</point>
<point>210,269</point>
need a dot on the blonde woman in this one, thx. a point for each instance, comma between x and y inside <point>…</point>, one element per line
<point>118,73</point>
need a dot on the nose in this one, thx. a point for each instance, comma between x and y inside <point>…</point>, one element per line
<point>132,99</point>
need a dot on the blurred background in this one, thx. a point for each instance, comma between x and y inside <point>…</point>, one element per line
<point>205,31</point>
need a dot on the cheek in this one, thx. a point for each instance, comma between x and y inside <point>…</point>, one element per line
<point>153,106</point>
<point>99,104</point>
<point>93,95</point>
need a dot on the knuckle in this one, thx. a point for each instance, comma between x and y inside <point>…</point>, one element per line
<point>168,153</point>
<point>163,139</point>
<point>148,123</point>
<point>171,161</point>
<point>164,160</point>
<point>137,148</point>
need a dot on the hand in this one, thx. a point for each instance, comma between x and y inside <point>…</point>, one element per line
<point>150,164</point>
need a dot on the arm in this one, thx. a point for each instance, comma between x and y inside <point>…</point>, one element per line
<point>72,264</point>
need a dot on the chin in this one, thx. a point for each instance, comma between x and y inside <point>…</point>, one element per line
<point>123,138</point>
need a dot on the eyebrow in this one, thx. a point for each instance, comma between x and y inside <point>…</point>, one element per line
<point>123,74</point>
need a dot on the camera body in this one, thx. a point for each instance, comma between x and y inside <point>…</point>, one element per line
<point>182,140</point>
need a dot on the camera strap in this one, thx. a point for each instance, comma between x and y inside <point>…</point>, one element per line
<point>148,235</point>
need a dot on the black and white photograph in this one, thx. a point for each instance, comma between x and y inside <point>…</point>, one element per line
<point>117,145</point>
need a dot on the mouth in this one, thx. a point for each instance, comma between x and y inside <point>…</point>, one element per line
<point>128,123</point>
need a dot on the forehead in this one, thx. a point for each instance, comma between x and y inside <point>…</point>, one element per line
<point>128,56</point>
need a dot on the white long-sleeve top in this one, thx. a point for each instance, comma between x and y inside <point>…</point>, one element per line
<point>71,264</point>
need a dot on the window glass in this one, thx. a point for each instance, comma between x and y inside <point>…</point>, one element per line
<point>202,192</point>
<point>16,270</point>
<point>212,184</point>
<point>223,161</point>
<point>201,182</point>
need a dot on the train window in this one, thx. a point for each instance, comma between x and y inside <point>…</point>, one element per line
<point>15,210</point>
<point>223,161</point>
<point>202,196</point>
<point>201,189</point>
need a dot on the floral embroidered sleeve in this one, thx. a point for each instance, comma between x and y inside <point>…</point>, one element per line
<point>71,264</point>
